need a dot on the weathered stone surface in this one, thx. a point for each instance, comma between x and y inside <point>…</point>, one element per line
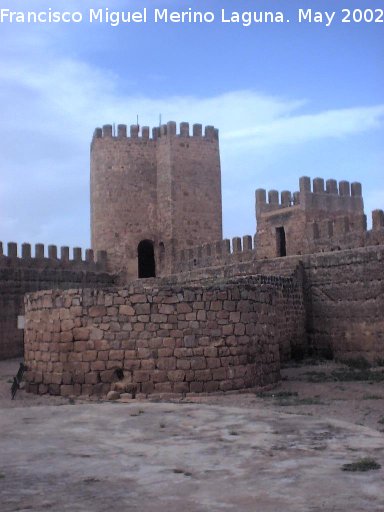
<point>154,358</point>
<point>231,348</point>
<point>113,395</point>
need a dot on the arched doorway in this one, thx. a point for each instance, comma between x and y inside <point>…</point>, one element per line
<point>146,259</point>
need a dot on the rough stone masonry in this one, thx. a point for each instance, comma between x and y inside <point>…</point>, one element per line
<point>167,305</point>
<point>167,339</point>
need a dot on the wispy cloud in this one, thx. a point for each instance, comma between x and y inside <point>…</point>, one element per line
<point>50,105</point>
<point>297,129</point>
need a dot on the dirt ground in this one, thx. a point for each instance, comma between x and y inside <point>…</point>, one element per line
<point>279,450</point>
<point>325,389</point>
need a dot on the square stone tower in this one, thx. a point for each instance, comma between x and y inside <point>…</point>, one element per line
<point>152,196</point>
<point>316,218</point>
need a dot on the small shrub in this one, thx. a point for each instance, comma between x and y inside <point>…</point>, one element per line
<point>350,375</point>
<point>301,401</point>
<point>311,401</point>
<point>365,464</point>
<point>263,394</point>
<point>314,376</point>
<point>285,394</point>
<point>360,363</point>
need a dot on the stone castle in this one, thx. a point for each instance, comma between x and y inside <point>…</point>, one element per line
<point>162,304</point>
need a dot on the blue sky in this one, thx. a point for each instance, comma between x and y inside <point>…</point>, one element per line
<point>289,100</point>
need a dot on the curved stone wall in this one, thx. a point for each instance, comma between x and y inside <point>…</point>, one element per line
<point>170,339</point>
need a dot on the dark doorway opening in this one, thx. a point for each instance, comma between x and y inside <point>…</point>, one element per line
<point>280,242</point>
<point>146,259</point>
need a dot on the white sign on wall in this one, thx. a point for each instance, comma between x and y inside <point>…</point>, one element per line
<point>20,321</point>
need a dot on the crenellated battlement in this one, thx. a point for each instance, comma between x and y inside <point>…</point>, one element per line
<point>338,233</point>
<point>214,253</point>
<point>23,256</point>
<point>160,187</point>
<point>169,129</point>
<point>272,201</point>
<point>25,268</point>
<point>219,248</point>
<point>377,220</point>
<point>316,194</point>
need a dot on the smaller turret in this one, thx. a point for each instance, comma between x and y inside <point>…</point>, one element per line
<point>297,222</point>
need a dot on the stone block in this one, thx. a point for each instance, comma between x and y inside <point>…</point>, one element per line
<point>141,376</point>
<point>96,334</point>
<point>80,346</point>
<point>157,318</point>
<point>56,378</point>
<point>183,308</point>
<point>198,363</point>
<point>78,377</point>
<point>66,390</point>
<point>203,375</point>
<point>219,374</point>
<point>163,387</point>
<point>166,309</point>
<point>239,329</point>
<point>213,362</point>
<point>91,378</point>
<point>196,387</point>
<point>126,309</point>
<point>116,355</point>
<point>165,352</point>
<point>147,387</point>
<point>148,364</point>
<point>216,305</point>
<point>108,376</point>
<point>131,364</point>
<point>227,330</point>
<point>159,376</point>
<point>67,378</point>
<point>97,365</point>
<point>90,355</point>
<point>181,387</point>
<point>166,363</point>
<point>190,341</point>
<point>66,337</point>
<point>226,385</point>
<point>43,389</point>
<point>144,353</point>
<point>142,309</point>
<point>87,389</point>
<point>176,375</point>
<point>97,311</point>
<point>183,364</point>
<point>137,298</point>
<point>113,395</point>
<point>211,386</point>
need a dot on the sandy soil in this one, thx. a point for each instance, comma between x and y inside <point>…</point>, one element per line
<point>281,450</point>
